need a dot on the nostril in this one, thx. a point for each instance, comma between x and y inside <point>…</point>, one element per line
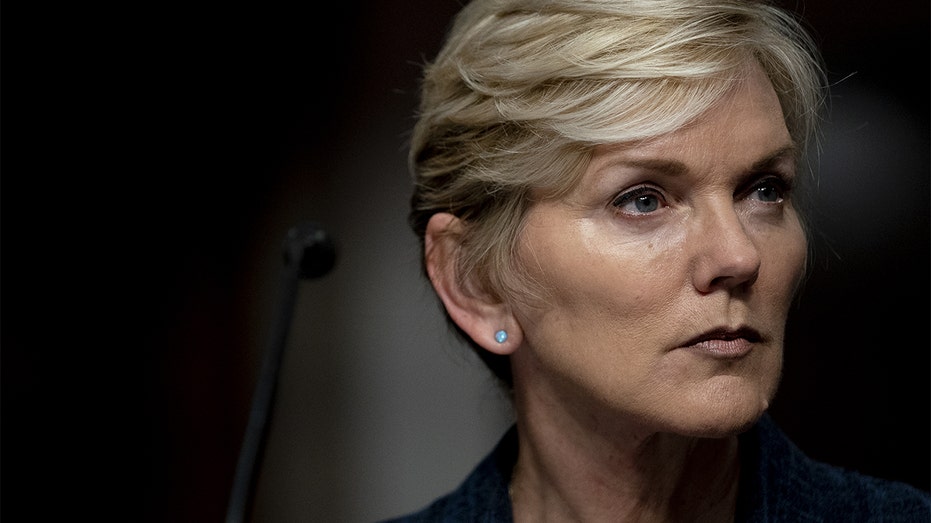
<point>736,281</point>
<point>727,265</point>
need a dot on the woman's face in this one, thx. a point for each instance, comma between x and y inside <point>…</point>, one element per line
<point>671,268</point>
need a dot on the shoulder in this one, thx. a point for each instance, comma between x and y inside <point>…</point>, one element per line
<point>481,497</point>
<point>842,494</point>
<point>790,486</point>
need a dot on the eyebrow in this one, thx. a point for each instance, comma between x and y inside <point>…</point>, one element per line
<point>677,168</point>
<point>788,152</point>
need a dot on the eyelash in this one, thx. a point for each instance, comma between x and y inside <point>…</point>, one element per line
<point>780,183</point>
<point>631,196</point>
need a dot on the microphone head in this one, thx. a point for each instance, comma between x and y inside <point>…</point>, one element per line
<point>309,245</point>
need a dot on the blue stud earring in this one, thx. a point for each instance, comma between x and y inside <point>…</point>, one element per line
<point>501,336</point>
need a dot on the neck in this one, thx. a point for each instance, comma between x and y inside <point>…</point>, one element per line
<point>617,471</point>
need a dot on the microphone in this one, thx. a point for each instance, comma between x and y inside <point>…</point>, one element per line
<point>309,252</point>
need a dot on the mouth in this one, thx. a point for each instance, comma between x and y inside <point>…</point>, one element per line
<point>725,343</point>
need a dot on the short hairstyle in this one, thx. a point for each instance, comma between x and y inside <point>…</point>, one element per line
<point>523,90</point>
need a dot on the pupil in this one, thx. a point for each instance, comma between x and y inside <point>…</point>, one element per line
<point>646,204</point>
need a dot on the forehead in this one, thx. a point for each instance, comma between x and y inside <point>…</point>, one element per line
<point>744,126</point>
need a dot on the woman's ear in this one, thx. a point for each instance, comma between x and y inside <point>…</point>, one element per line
<point>482,316</point>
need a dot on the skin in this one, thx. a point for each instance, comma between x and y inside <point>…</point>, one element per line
<point>630,288</point>
<point>670,271</point>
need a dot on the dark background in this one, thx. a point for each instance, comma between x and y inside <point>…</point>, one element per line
<point>154,156</point>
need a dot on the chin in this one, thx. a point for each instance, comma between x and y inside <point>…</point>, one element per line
<point>723,414</point>
<point>728,425</point>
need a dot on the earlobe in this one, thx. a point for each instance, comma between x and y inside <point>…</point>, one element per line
<point>480,315</point>
<point>506,341</point>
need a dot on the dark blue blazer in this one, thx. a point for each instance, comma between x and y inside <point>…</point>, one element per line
<point>778,483</point>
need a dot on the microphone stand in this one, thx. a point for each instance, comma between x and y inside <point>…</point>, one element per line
<point>308,253</point>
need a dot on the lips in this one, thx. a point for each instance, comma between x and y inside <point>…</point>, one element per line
<point>724,342</point>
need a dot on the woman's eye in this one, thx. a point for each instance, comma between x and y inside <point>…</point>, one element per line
<point>770,190</point>
<point>642,200</point>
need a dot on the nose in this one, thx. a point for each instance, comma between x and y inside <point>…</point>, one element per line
<point>725,256</point>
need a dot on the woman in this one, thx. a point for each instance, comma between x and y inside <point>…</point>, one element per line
<point>608,197</point>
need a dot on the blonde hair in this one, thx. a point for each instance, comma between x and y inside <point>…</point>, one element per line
<point>522,91</point>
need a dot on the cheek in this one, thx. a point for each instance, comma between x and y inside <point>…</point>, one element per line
<point>784,262</point>
<point>597,321</point>
<point>595,283</point>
